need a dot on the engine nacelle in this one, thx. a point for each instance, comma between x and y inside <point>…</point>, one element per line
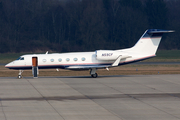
<point>107,54</point>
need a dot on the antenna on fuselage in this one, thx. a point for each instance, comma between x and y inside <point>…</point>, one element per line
<point>47,52</point>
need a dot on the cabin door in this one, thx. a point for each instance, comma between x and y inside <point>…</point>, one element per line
<point>35,67</point>
<point>34,61</point>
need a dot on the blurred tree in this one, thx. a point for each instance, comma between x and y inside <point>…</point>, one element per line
<point>172,41</point>
<point>156,11</point>
<point>92,27</point>
<point>84,25</point>
<point>112,9</point>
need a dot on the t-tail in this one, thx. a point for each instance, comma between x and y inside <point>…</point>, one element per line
<point>149,42</point>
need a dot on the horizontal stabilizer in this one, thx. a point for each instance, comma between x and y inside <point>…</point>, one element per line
<point>159,31</point>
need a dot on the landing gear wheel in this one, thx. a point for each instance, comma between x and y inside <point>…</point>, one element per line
<point>20,74</point>
<point>19,77</point>
<point>94,75</point>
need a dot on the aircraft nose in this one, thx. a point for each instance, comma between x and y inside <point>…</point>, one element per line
<point>9,64</point>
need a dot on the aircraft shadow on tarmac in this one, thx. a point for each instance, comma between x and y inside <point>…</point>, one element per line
<point>105,76</point>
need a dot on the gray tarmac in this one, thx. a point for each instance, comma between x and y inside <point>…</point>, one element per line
<point>127,97</point>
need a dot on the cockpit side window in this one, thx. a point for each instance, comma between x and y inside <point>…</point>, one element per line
<point>20,58</point>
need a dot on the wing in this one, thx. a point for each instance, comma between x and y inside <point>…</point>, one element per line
<point>85,67</point>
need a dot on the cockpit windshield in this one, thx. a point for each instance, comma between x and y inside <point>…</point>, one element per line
<point>20,58</point>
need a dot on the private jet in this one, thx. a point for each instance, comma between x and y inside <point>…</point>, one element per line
<point>145,48</point>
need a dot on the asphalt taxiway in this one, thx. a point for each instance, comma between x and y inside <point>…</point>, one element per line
<point>128,97</point>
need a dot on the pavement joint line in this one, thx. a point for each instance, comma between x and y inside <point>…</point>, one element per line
<point>167,80</point>
<point>155,107</point>
<point>3,110</point>
<point>170,94</point>
<point>112,89</point>
<point>95,102</point>
<point>45,99</point>
<point>173,95</point>
<point>129,95</point>
<point>150,104</point>
<point>139,91</point>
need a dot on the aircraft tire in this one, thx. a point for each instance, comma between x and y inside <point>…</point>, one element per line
<point>94,75</point>
<point>19,77</point>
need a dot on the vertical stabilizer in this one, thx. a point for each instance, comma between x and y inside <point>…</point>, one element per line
<point>149,41</point>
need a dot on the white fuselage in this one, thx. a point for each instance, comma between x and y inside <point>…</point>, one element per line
<point>71,60</point>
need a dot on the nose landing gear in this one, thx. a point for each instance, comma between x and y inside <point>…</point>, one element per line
<point>20,74</point>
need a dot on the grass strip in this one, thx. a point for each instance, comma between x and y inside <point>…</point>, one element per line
<point>122,70</point>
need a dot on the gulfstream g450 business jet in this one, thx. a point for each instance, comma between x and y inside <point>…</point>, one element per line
<point>145,48</point>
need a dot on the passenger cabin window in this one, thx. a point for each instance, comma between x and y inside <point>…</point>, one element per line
<point>83,59</point>
<point>59,59</point>
<point>75,59</point>
<point>44,60</point>
<point>52,60</point>
<point>67,59</point>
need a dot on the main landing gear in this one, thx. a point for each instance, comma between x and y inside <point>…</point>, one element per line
<point>20,74</point>
<point>93,73</point>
